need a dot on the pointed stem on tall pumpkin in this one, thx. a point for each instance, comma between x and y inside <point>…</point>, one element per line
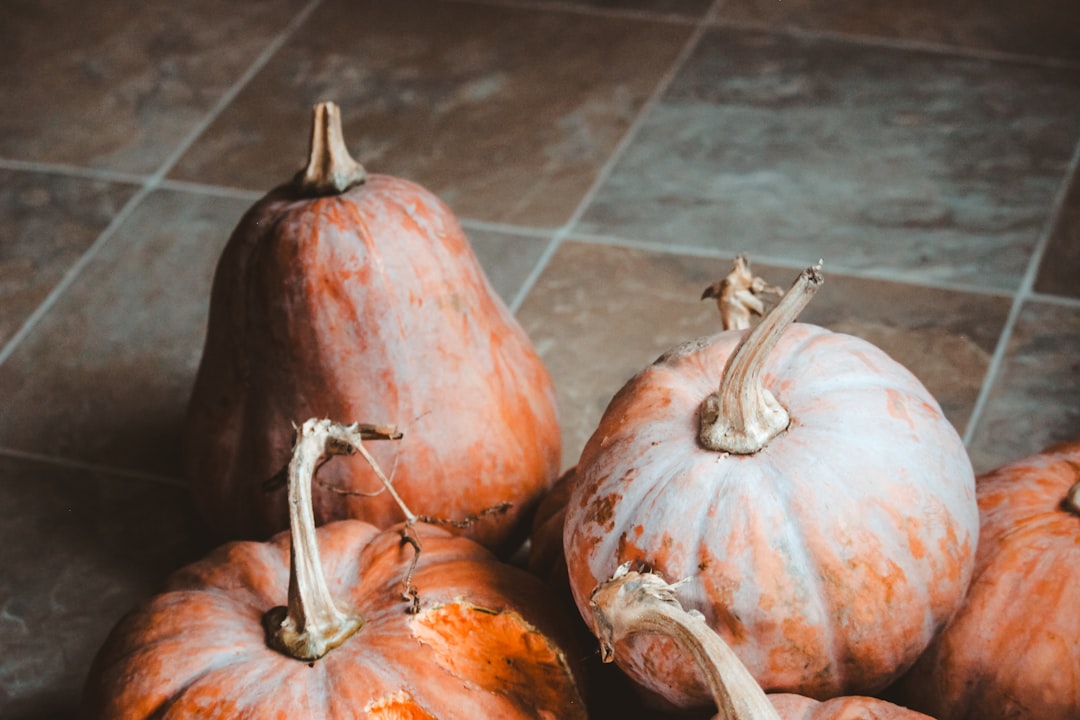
<point>312,623</point>
<point>633,603</point>
<point>330,170</point>
<point>742,416</point>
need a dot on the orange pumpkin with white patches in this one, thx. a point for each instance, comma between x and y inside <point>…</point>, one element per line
<point>818,504</point>
<point>349,295</point>
<point>365,633</point>
<point>1013,650</point>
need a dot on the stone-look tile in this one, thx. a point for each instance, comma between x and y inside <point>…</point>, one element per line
<point>600,314</point>
<point>118,85</point>
<point>507,259</point>
<point>918,165</point>
<point>1036,399</point>
<point>1059,273</point>
<point>79,550</point>
<point>48,223</point>
<point>690,9</point>
<point>106,375</point>
<point>1042,28</point>
<point>506,113</point>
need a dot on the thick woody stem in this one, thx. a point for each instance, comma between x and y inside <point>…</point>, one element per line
<point>330,169</point>
<point>742,416</point>
<point>313,623</point>
<point>633,603</point>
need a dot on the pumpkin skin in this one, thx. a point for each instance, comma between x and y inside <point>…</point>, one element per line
<point>1013,650</point>
<point>198,649</point>
<point>852,707</point>
<point>827,560</point>
<point>367,303</point>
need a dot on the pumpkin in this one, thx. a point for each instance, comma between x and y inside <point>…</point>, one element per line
<point>470,637</point>
<point>344,294</point>
<point>1013,650</point>
<point>632,603</point>
<point>808,487</point>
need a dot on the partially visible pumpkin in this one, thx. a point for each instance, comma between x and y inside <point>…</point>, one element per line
<point>1013,650</point>
<point>632,603</point>
<point>344,294</point>
<point>819,504</point>
<point>476,640</point>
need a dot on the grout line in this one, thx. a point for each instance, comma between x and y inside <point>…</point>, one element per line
<point>574,9</point>
<point>150,184</point>
<point>84,466</point>
<point>911,45</point>
<point>488,226</point>
<point>223,191</point>
<point>1059,300</point>
<point>72,272</point>
<point>700,27</point>
<point>1023,294</point>
<point>797,264</point>
<point>72,171</point>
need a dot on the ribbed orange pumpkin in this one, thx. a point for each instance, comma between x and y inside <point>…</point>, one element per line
<point>349,295</point>
<point>478,641</point>
<point>1013,650</point>
<point>819,505</point>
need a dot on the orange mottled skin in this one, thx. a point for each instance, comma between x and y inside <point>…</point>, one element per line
<point>483,645</point>
<point>857,707</point>
<point>1013,650</point>
<point>827,560</point>
<point>370,306</point>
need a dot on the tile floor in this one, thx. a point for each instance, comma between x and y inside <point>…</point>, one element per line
<point>607,157</point>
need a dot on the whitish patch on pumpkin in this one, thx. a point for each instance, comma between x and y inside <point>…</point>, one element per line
<point>399,706</point>
<point>497,651</point>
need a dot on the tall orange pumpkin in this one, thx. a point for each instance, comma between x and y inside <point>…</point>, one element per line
<point>348,295</point>
<point>477,640</point>
<point>1013,650</point>
<point>808,488</point>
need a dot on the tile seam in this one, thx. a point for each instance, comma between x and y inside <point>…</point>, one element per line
<point>662,85</point>
<point>1025,293</point>
<point>75,171</point>
<point>151,183</point>
<point>908,45</point>
<point>72,464</point>
<point>571,9</point>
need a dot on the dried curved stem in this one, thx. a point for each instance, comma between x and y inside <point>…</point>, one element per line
<point>742,416</point>
<point>312,623</point>
<point>633,603</point>
<point>330,169</point>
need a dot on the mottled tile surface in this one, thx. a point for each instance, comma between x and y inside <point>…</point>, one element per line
<point>1059,271</point>
<point>106,375</point>
<point>689,9</point>
<point>1036,399</point>
<point>118,85</point>
<point>47,223</point>
<point>89,547</point>
<point>507,259</point>
<point>504,125</point>
<point>599,314</point>
<point>924,166</point>
<point>1043,28</point>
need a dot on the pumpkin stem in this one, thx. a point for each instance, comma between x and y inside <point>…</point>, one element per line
<point>633,603</point>
<point>743,416</point>
<point>312,624</point>
<point>737,295</point>
<point>330,169</point>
